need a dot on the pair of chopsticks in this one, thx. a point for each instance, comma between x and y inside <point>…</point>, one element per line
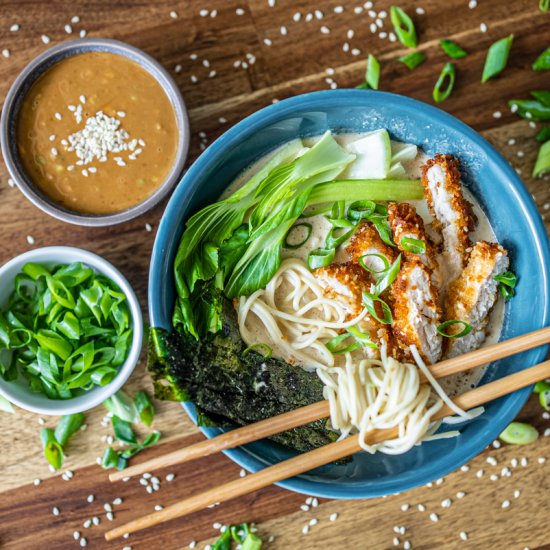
<point>333,451</point>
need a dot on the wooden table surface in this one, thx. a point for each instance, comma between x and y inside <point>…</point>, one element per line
<point>230,58</point>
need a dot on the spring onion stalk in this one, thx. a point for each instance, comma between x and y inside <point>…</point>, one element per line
<point>381,257</point>
<point>261,348</point>
<point>442,328</point>
<point>452,49</point>
<point>295,229</point>
<point>519,433</point>
<point>372,74</point>
<point>125,434</point>
<point>413,60</point>
<point>448,75</point>
<point>542,164</point>
<point>53,451</point>
<point>68,425</point>
<point>415,246</point>
<point>543,134</point>
<point>497,58</point>
<point>542,62</point>
<point>374,190</point>
<point>403,27</point>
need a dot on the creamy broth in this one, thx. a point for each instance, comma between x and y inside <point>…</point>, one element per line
<point>453,385</point>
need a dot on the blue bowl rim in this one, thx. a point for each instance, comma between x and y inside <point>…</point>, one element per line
<point>188,186</point>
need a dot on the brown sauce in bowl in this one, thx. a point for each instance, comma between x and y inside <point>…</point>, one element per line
<point>97,133</point>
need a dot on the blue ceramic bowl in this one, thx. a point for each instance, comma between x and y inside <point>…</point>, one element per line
<point>494,183</point>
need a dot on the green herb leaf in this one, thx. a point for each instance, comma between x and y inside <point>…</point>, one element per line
<point>123,431</point>
<point>415,246</point>
<point>403,27</point>
<point>53,451</point>
<point>497,58</point>
<point>67,426</point>
<point>442,328</point>
<point>372,74</point>
<point>541,386</point>
<point>542,164</point>
<point>144,407</point>
<point>519,433</point>
<point>452,49</point>
<point>413,60</point>
<point>448,75</point>
<point>542,63</point>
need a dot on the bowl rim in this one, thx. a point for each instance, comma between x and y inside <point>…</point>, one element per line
<point>99,393</point>
<point>69,49</point>
<point>251,124</point>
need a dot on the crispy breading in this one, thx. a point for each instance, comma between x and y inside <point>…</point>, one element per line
<point>416,311</point>
<point>366,240</point>
<point>472,296</point>
<point>405,222</point>
<point>453,214</point>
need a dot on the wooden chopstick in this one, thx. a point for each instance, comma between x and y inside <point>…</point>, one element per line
<point>324,455</point>
<point>315,411</point>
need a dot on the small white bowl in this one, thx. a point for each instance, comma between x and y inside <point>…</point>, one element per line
<point>18,391</point>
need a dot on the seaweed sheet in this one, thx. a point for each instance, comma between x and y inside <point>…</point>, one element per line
<point>230,387</point>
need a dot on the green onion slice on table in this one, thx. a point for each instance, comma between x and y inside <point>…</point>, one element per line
<point>519,433</point>
<point>404,27</point>
<point>497,58</point>
<point>413,60</point>
<point>542,62</point>
<point>447,76</point>
<point>372,75</point>
<point>452,49</point>
<point>542,164</point>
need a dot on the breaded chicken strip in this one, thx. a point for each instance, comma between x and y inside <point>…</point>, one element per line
<point>346,283</point>
<point>453,214</point>
<point>472,296</point>
<point>405,222</point>
<point>366,240</point>
<point>416,311</point>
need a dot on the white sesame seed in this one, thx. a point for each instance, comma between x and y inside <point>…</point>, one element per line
<point>506,504</point>
<point>491,460</point>
<point>338,9</point>
<point>523,460</point>
<point>333,516</point>
<point>212,74</point>
<point>472,4</point>
<point>319,14</point>
<point>541,460</point>
<point>446,503</point>
<point>68,29</point>
<point>55,511</point>
<point>107,507</point>
<point>304,507</point>
<point>463,535</point>
<point>96,520</point>
<point>305,529</point>
<point>126,548</point>
<point>421,508</point>
<point>546,415</point>
<point>464,468</point>
<point>382,35</point>
<point>358,10</point>
<point>324,30</point>
<point>37,482</point>
<point>404,507</point>
<point>11,183</point>
<point>83,33</point>
<point>434,517</point>
<point>239,11</point>
<point>309,17</point>
<point>368,5</point>
<point>83,542</point>
<point>373,28</point>
<point>6,52</point>
<point>493,477</point>
<point>30,240</point>
<point>149,489</point>
<point>383,14</point>
<point>345,47</point>
<point>483,27</point>
<point>506,472</point>
<point>90,498</point>
<point>267,42</point>
<point>396,541</point>
<point>392,37</point>
<point>203,13</point>
<point>87,524</point>
<point>110,516</point>
<point>407,545</point>
<point>76,535</point>
<point>117,501</point>
<point>271,3</point>
<point>479,473</point>
<point>313,522</point>
<point>75,19</point>
<point>54,152</point>
<point>14,28</point>
<point>514,462</point>
<point>58,116</point>
<point>158,507</point>
<point>497,114</point>
<point>192,544</point>
<point>420,11</point>
<point>517,493</point>
<point>496,444</point>
<point>174,14</point>
<point>546,431</point>
<point>45,39</point>
<point>283,30</point>
<point>460,494</point>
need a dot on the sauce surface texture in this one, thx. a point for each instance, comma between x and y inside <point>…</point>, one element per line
<point>97,133</point>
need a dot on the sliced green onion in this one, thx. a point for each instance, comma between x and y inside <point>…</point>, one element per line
<point>543,134</point>
<point>372,74</point>
<point>144,407</point>
<point>541,386</point>
<point>544,399</point>
<point>121,404</point>
<point>294,228</point>
<point>386,278</point>
<point>338,209</point>
<point>53,451</point>
<point>320,257</point>
<point>413,60</point>
<point>333,344</point>
<point>542,164</point>
<point>415,246</point>
<point>452,49</point>
<point>441,329</point>
<point>380,222</point>
<point>497,58</point>
<point>519,433</point>
<point>506,291</point>
<point>543,96</point>
<point>361,210</point>
<point>340,222</point>
<point>67,426</point>
<point>542,63</point>
<point>335,242</point>
<point>530,109</point>
<point>544,5</point>
<point>261,348</point>
<point>251,542</point>
<point>363,338</point>
<point>370,303</point>
<point>123,431</point>
<point>381,257</point>
<point>110,458</point>
<point>403,27</point>
<point>448,75</point>
<point>507,278</point>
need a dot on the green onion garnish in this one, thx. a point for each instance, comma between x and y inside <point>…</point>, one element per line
<point>372,74</point>
<point>381,257</point>
<point>412,60</point>
<point>380,222</point>
<point>387,277</point>
<point>507,278</point>
<point>543,96</point>
<point>122,405</point>
<point>543,134</point>
<point>361,210</point>
<point>542,164</point>
<point>506,292</point>
<point>415,246</point>
<point>370,303</point>
<point>338,209</point>
<point>144,407</point>
<point>362,337</point>
<point>68,329</point>
<point>544,5</point>
<point>403,27</point>
<point>294,229</point>
<point>68,425</point>
<point>541,386</point>
<point>447,75</point>
<point>334,242</point>
<point>241,534</point>
<point>519,433</point>
<point>542,62</point>
<point>53,441</point>
<point>530,109</point>
<point>544,399</point>
<point>452,49</point>
<point>261,348</point>
<point>497,58</point>
<point>333,345</point>
<point>441,329</point>
<point>320,257</point>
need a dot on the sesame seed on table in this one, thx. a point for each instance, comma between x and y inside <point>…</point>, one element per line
<point>231,58</point>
